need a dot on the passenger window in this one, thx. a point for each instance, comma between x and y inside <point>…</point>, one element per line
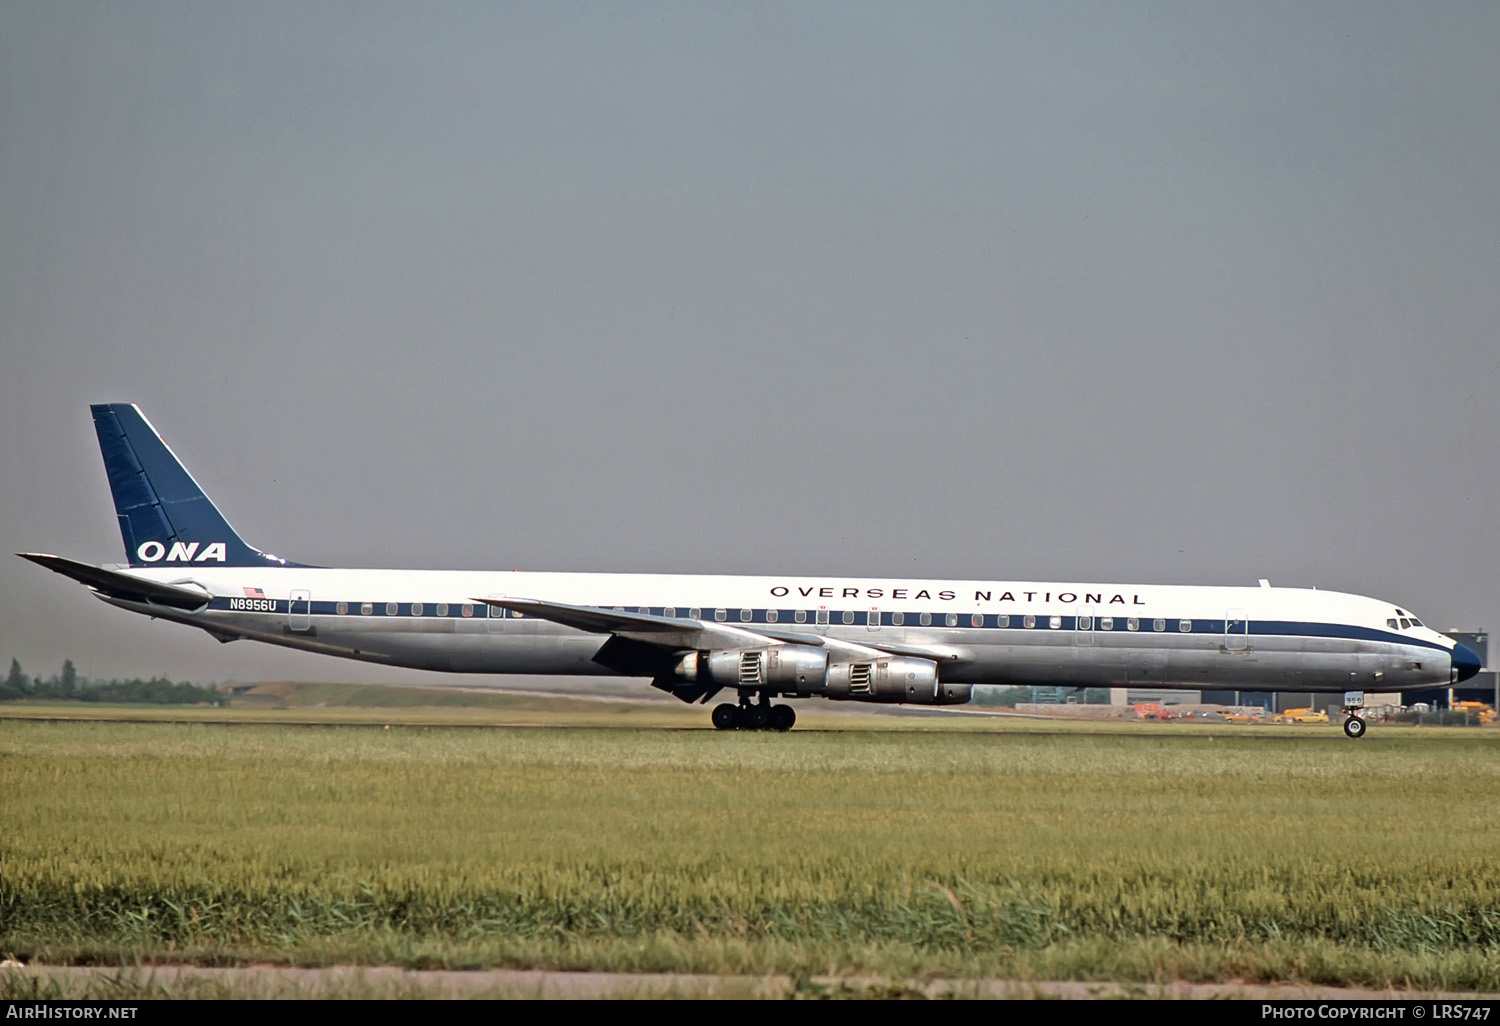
<point>1002,621</point>
<point>644,610</point>
<point>897,619</point>
<point>1030,622</point>
<point>670,611</point>
<point>721,615</point>
<point>366,609</point>
<point>468,610</point>
<point>416,609</point>
<point>392,608</point>
<point>772,616</point>
<point>746,615</point>
<point>1132,624</point>
<point>1184,625</point>
<point>1158,624</point>
<point>800,616</point>
<point>1054,622</point>
<point>1085,623</point>
<point>516,614</point>
<point>695,613</point>
<point>848,616</point>
<point>822,614</point>
<point>951,619</point>
<point>442,609</point>
<point>342,607</point>
<point>925,619</point>
<point>1106,623</point>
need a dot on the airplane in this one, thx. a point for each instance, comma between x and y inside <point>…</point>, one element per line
<point>921,642</point>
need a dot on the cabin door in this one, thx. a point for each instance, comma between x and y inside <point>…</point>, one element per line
<point>1236,631</point>
<point>299,610</point>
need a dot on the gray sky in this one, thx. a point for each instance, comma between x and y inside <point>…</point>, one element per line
<point>1180,293</point>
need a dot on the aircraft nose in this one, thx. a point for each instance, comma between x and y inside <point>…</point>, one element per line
<point>1465,663</point>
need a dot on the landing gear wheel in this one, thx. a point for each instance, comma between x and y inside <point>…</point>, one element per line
<point>759,717</point>
<point>726,716</point>
<point>1354,727</point>
<point>782,717</point>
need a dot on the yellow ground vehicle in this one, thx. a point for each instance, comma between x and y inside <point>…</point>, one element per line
<point>1250,714</point>
<point>1305,716</point>
<point>1479,710</point>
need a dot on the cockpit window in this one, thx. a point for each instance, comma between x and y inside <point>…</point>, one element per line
<point>1405,623</point>
<point>1415,622</point>
<point>1391,623</point>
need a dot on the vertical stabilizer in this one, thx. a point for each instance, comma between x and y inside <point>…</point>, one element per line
<point>165,518</point>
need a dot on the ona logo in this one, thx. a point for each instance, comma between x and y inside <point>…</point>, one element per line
<point>154,551</point>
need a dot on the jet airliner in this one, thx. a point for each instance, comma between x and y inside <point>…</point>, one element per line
<point>924,642</point>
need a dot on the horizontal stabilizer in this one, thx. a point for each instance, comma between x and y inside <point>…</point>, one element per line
<point>120,586</point>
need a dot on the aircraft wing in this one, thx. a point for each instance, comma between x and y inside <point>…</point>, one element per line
<point>682,632</point>
<point>676,632</point>
<point>118,585</point>
<point>593,619</point>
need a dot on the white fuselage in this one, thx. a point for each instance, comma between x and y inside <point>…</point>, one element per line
<point>996,632</point>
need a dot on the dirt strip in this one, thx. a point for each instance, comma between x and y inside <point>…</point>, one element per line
<point>391,981</point>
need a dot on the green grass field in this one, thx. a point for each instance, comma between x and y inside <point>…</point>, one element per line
<point>1004,848</point>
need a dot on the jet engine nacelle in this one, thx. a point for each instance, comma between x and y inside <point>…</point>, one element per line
<point>894,679</point>
<point>794,667</point>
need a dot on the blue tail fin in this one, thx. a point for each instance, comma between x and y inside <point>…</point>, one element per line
<point>165,519</point>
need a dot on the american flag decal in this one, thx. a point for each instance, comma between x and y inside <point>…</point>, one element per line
<point>254,593</point>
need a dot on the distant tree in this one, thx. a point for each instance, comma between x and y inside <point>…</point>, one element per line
<point>68,685</point>
<point>14,685</point>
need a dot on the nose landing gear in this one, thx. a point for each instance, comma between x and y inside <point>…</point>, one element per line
<point>1354,723</point>
<point>760,715</point>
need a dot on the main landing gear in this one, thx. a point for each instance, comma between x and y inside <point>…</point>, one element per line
<point>760,715</point>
